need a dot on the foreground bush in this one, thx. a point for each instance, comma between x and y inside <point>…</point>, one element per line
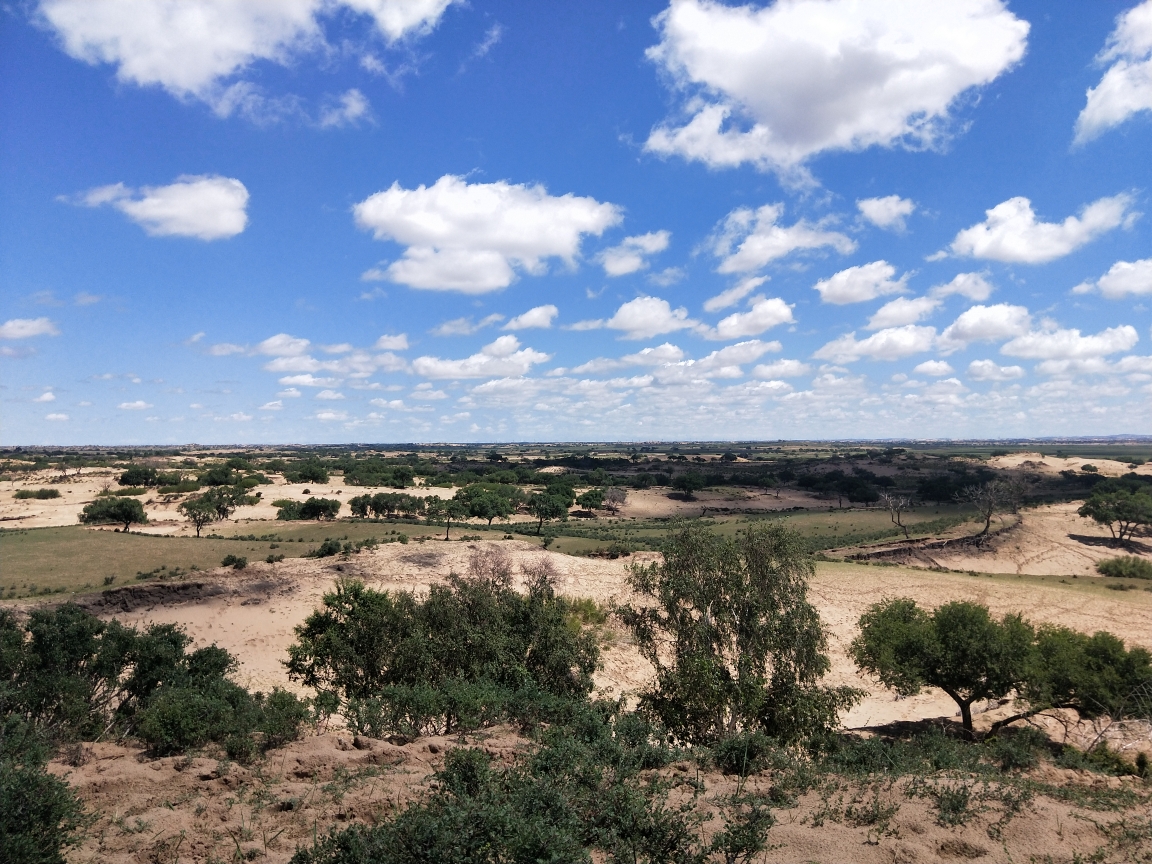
<point>472,653</point>
<point>72,677</point>
<point>747,648</point>
<point>1125,567</point>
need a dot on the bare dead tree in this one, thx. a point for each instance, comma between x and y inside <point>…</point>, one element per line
<point>991,498</point>
<point>896,505</point>
<point>614,498</point>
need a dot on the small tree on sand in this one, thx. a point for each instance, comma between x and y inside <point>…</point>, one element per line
<point>735,642</point>
<point>995,496</point>
<point>1122,510</point>
<point>200,511</point>
<point>959,648</point>
<point>614,498</point>
<point>896,505</point>
<point>114,510</point>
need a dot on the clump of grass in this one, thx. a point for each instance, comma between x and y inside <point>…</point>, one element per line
<point>1125,567</point>
<point>38,494</point>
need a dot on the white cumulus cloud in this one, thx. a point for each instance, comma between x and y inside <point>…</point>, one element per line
<point>330,395</point>
<point>346,110</point>
<point>632,254</point>
<point>138,405</point>
<point>26,328</point>
<point>985,324</point>
<point>935,368</point>
<point>1126,87</point>
<point>781,369</point>
<point>465,326</point>
<point>888,212</point>
<point>499,359</point>
<point>773,85</point>
<point>748,239</point>
<point>902,310</point>
<point>646,317</point>
<point>474,237</point>
<point>974,286</point>
<point>1123,278</point>
<point>1012,234</point>
<point>860,283</point>
<point>989,370</point>
<point>274,405</point>
<point>207,207</point>
<point>47,396</point>
<point>539,316</point>
<point>392,343</point>
<point>891,344</point>
<point>764,314</point>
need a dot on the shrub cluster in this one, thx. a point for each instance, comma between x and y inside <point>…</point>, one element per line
<point>312,509</point>
<point>384,504</point>
<point>377,472</point>
<point>38,494</point>
<point>1126,567</point>
<point>307,471</point>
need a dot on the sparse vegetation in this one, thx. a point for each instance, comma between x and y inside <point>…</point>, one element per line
<point>1126,567</point>
<point>36,494</point>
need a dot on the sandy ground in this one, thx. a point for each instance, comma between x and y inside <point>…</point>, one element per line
<point>1041,464</point>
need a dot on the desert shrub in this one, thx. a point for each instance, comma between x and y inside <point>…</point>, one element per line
<point>220,475</point>
<point>236,562</point>
<point>1019,749</point>
<point>462,657</point>
<point>138,475</point>
<point>181,488</point>
<point>328,548</point>
<point>1126,567</point>
<point>744,753</point>
<point>38,494</point>
<point>747,648</point>
<point>39,813</point>
<point>1094,674</point>
<point>287,509</point>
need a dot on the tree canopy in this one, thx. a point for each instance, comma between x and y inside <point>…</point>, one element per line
<point>114,510</point>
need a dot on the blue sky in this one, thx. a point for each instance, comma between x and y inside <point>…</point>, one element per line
<point>423,220</point>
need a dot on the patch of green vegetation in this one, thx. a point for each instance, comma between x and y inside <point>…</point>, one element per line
<point>1126,567</point>
<point>37,494</point>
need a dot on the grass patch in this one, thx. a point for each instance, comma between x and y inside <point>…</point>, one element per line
<point>38,494</point>
<point>1125,567</point>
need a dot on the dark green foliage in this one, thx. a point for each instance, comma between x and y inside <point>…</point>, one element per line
<point>457,658</point>
<point>313,508</point>
<point>70,677</point>
<point>1126,567</point>
<point>747,648</point>
<point>328,548</point>
<point>220,475</point>
<point>200,510</point>
<point>689,483</point>
<point>38,494</point>
<point>1121,509</point>
<point>310,471</point>
<point>593,499</point>
<point>236,562</point>
<point>138,475</point>
<point>38,812</point>
<point>103,511</point>
<point>382,504</point>
<point>744,753</point>
<point>958,648</point>
<point>576,794</point>
<point>549,506</point>
<point>1095,674</point>
<point>375,472</point>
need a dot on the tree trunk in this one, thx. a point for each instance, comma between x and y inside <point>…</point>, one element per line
<point>966,719</point>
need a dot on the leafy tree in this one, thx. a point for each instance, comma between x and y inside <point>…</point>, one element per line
<point>547,507</point>
<point>689,483</point>
<point>735,642</point>
<point>319,508</point>
<point>959,648</point>
<point>308,471</point>
<point>138,475</point>
<point>488,505</point>
<point>200,510</point>
<point>103,511</point>
<point>436,509</point>
<point>593,499</point>
<point>1122,510</point>
<point>220,475</point>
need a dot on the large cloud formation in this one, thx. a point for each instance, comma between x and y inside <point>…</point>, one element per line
<point>473,237</point>
<point>190,49</point>
<point>777,84</point>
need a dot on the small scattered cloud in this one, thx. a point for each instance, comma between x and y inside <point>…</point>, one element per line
<point>537,317</point>
<point>289,393</point>
<point>138,405</point>
<point>283,345</point>
<point>194,338</point>
<point>974,286</point>
<point>465,326</point>
<point>891,344</point>
<point>331,416</point>
<point>781,369</point>
<point>733,295</point>
<point>935,368</point>
<point>85,299</point>
<point>330,395</point>
<point>632,254</point>
<point>274,405</point>
<point>206,207</point>
<point>348,109</point>
<point>861,283</point>
<point>27,328</point>
<point>46,396</point>
<point>56,418</point>
<point>392,343</point>
<point>667,276</point>
<point>646,317</point>
<point>888,212</point>
<point>308,380</point>
<point>1011,233</point>
<point>224,349</point>
<point>749,239</point>
<point>502,358</point>
<point>901,311</point>
<point>989,370</point>
<point>764,314</point>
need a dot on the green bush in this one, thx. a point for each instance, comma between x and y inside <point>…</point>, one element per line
<point>1126,567</point>
<point>39,494</point>
<point>309,471</point>
<point>138,475</point>
<point>103,511</point>
<point>236,562</point>
<point>744,753</point>
<point>472,652</point>
<point>39,813</point>
<point>328,548</point>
